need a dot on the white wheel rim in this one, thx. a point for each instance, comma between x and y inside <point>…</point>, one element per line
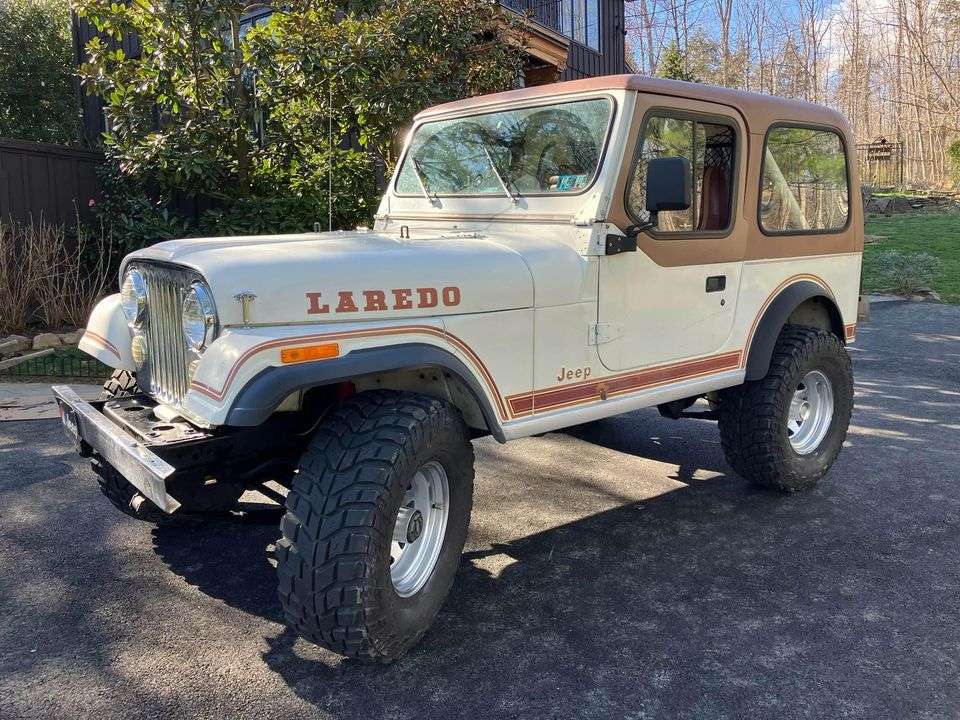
<point>810,413</point>
<point>420,529</point>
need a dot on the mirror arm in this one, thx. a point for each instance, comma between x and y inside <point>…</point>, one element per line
<point>634,230</point>
<point>616,244</point>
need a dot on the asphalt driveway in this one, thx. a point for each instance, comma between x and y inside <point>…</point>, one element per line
<point>615,571</point>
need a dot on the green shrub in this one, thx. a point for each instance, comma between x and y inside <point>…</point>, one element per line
<point>258,119</point>
<point>38,95</point>
<point>136,216</point>
<point>902,272</point>
<point>953,155</point>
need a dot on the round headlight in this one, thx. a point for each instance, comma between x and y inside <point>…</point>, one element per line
<point>133,296</point>
<point>199,317</point>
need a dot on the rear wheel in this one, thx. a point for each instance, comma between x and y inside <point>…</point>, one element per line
<point>375,524</point>
<point>786,430</point>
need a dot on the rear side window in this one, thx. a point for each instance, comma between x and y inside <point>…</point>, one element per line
<point>710,146</point>
<point>804,181</point>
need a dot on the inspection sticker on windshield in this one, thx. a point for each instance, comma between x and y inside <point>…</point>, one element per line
<point>566,183</point>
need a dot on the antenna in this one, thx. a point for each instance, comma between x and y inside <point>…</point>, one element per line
<point>330,154</point>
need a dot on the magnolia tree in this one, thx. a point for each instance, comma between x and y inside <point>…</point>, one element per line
<point>265,117</point>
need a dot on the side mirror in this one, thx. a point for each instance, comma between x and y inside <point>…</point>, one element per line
<point>668,188</point>
<point>668,185</point>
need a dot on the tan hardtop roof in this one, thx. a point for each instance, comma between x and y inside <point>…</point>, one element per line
<point>759,111</point>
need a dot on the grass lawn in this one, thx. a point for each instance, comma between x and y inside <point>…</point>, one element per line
<point>938,235</point>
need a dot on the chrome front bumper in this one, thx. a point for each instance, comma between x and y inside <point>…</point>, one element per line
<point>92,430</point>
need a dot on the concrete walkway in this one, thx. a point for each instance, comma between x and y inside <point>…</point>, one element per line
<point>34,401</point>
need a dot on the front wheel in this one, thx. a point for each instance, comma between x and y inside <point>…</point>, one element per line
<point>376,520</point>
<point>785,430</point>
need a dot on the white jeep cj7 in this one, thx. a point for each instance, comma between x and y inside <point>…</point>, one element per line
<point>543,258</point>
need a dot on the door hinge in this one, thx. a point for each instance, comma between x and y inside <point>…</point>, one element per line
<point>602,333</point>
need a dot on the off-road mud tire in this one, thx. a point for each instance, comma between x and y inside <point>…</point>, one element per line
<point>122,383</point>
<point>333,559</point>
<point>753,416</point>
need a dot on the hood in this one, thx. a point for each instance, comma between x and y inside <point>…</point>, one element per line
<point>351,276</point>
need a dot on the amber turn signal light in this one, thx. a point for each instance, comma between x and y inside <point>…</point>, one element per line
<point>310,352</point>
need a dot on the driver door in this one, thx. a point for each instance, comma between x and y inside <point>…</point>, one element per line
<point>674,299</point>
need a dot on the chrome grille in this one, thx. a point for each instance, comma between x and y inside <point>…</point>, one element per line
<point>165,369</point>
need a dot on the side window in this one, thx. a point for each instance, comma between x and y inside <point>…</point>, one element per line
<point>711,149</point>
<point>804,181</point>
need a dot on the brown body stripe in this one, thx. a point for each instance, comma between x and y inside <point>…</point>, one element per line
<point>215,394</point>
<point>614,385</point>
<point>102,342</point>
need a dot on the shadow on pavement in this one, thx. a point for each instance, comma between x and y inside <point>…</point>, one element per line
<point>690,599</point>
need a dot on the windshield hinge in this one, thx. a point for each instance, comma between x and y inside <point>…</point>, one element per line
<point>602,333</point>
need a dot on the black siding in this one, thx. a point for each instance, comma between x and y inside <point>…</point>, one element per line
<point>583,61</point>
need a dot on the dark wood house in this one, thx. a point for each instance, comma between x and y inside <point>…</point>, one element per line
<point>572,39</point>
<point>565,40</point>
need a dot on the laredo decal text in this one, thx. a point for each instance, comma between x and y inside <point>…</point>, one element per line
<point>383,300</point>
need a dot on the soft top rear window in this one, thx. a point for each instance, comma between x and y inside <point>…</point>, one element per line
<point>543,150</point>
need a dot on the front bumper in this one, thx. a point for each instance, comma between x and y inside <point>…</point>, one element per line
<point>95,432</point>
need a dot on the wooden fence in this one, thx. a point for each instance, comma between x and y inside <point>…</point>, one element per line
<point>52,182</point>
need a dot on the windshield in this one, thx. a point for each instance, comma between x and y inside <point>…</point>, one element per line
<point>532,151</point>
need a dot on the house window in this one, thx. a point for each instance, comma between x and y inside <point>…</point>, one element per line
<point>593,24</point>
<point>804,181</point>
<point>580,21</point>
<point>710,146</point>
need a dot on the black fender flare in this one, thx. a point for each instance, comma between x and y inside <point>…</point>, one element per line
<point>262,395</point>
<point>775,317</point>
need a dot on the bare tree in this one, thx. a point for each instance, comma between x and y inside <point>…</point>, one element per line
<point>892,67</point>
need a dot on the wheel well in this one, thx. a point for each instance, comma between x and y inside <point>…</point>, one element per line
<point>819,312</point>
<point>412,367</point>
<point>803,303</point>
<point>435,382</point>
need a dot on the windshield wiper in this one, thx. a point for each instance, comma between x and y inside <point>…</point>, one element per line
<point>422,179</point>
<point>503,183</point>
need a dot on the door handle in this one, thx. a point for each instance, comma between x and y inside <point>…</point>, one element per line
<point>716,283</point>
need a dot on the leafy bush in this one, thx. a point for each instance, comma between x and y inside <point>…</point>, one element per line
<point>257,119</point>
<point>137,217</point>
<point>953,155</point>
<point>38,97</point>
<point>902,272</point>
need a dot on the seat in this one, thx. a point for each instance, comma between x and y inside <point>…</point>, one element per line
<point>714,199</point>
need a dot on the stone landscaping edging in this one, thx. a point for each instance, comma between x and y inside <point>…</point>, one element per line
<point>13,345</point>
